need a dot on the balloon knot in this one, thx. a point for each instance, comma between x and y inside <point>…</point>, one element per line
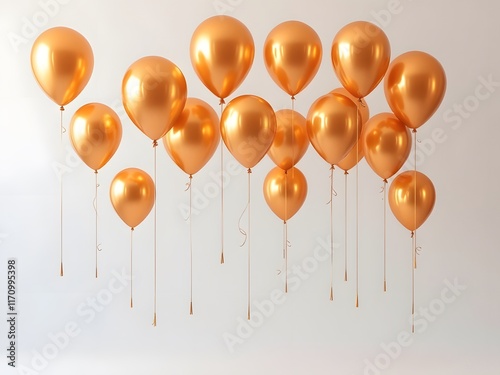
<point>361,102</point>
<point>155,143</point>
<point>132,229</point>
<point>332,167</point>
<point>221,102</point>
<point>412,234</point>
<point>293,97</point>
<point>385,180</point>
<point>61,108</point>
<point>249,170</point>
<point>414,130</point>
<point>345,172</point>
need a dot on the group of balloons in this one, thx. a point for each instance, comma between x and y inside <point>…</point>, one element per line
<point>154,94</point>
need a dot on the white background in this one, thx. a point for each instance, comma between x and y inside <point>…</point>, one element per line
<point>306,334</point>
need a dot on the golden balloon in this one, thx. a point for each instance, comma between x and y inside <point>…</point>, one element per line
<point>154,92</point>
<point>333,126</point>
<point>412,197</point>
<point>414,87</point>
<point>285,191</point>
<point>194,137</point>
<point>291,141</point>
<point>95,132</point>
<point>62,62</point>
<point>386,143</point>
<point>222,52</point>
<point>132,194</point>
<point>360,56</point>
<point>248,127</point>
<point>292,54</point>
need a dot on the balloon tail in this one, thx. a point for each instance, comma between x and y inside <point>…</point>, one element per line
<point>248,271</point>
<point>97,245</point>
<point>345,225</point>
<point>221,103</point>
<point>385,235</point>
<point>131,268</point>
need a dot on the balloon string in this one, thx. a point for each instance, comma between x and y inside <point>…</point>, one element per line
<point>293,133</point>
<point>357,207</point>
<point>155,143</point>
<point>63,130</point>
<point>97,244</point>
<point>415,189</point>
<point>285,244</point>
<point>248,205</point>
<point>385,235</point>
<point>345,224</point>
<point>332,169</point>
<point>413,282</point>
<point>190,247</point>
<point>221,103</point>
<point>131,268</point>
<point>286,209</point>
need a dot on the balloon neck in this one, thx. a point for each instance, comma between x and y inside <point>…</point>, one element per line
<point>412,234</point>
<point>384,180</point>
<point>155,143</point>
<point>221,102</point>
<point>332,167</point>
<point>131,229</point>
<point>345,172</point>
<point>293,97</point>
<point>361,102</point>
<point>249,170</point>
<point>61,108</point>
<point>414,130</point>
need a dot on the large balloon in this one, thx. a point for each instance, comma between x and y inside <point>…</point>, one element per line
<point>222,52</point>
<point>353,157</point>
<point>154,92</point>
<point>194,137</point>
<point>248,127</point>
<point>95,132</point>
<point>292,54</point>
<point>290,142</point>
<point>361,104</point>
<point>132,194</point>
<point>62,62</point>
<point>386,143</point>
<point>333,126</point>
<point>360,55</point>
<point>279,184</point>
<point>411,198</point>
<point>414,87</point>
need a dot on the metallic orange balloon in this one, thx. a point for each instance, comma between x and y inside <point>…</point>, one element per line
<point>292,54</point>
<point>411,198</point>
<point>95,132</point>
<point>414,87</point>
<point>222,52</point>
<point>248,127</point>
<point>62,62</point>
<point>154,92</point>
<point>360,55</point>
<point>333,126</point>
<point>291,141</point>
<point>132,194</point>
<point>194,137</point>
<point>387,144</point>
<point>279,184</point>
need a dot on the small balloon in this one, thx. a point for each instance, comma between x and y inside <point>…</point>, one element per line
<point>154,92</point>
<point>333,126</point>
<point>291,141</point>
<point>292,54</point>
<point>95,132</point>
<point>360,56</point>
<point>414,87</point>
<point>412,197</point>
<point>248,127</point>
<point>132,194</point>
<point>62,62</point>
<point>280,184</point>
<point>386,143</point>
<point>194,137</point>
<point>222,52</point>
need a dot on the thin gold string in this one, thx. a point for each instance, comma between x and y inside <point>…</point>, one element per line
<point>285,244</point>
<point>345,225</point>
<point>221,103</point>
<point>155,143</point>
<point>97,245</point>
<point>413,282</point>
<point>332,169</point>
<point>131,268</point>
<point>190,247</point>
<point>415,190</point>
<point>385,235</point>
<point>356,304</point>
<point>248,203</point>
<point>63,130</point>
